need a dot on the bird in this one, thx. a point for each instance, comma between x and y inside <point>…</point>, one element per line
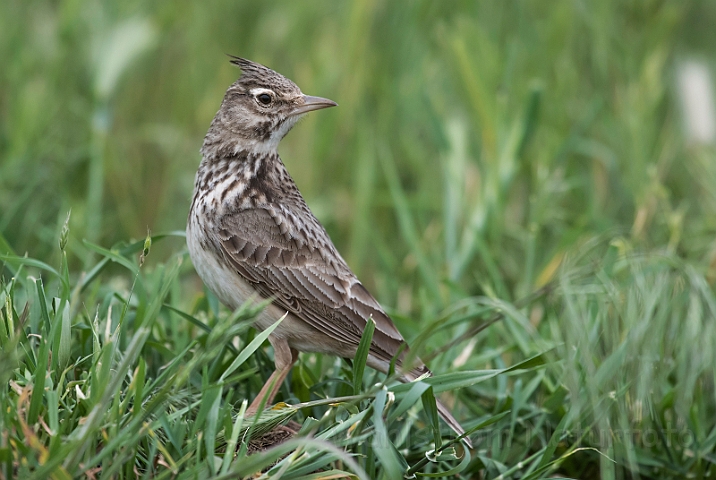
<point>251,235</point>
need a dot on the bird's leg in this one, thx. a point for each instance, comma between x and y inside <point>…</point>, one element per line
<point>284,358</point>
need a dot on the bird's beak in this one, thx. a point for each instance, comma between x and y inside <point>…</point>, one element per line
<point>313,103</point>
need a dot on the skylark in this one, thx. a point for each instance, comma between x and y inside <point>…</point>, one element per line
<point>250,234</point>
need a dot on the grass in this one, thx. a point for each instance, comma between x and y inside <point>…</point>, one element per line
<point>511,180</point>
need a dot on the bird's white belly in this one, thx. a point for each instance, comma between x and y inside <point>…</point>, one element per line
<point>226,284</point>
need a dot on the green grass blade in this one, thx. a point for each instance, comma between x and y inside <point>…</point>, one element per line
<point>43,358</point>
<point>392,463</point>
<point>16,261</point>
<point>114,256</point>
<point>431,410</point>
<point>250,349</point>
<point>362,355</point>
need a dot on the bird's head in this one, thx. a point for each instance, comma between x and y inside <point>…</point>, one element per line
<point>260,108</point>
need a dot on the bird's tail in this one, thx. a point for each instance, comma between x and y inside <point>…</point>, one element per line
<point>422,372</point>
<point>452,422</point>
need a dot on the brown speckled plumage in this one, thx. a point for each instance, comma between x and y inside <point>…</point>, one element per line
<point>251,234</point>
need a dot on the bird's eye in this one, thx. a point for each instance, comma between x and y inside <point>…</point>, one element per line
<point>264,98</point>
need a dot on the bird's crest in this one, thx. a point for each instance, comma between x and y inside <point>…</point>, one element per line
<point>256,75</point>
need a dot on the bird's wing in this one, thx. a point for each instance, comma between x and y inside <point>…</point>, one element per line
<point>297,265</point>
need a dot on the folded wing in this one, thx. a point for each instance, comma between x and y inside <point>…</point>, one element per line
<point>300,268</point>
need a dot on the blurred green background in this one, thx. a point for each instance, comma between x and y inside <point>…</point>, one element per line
<point>480,150</point>
<point>480,140</point>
